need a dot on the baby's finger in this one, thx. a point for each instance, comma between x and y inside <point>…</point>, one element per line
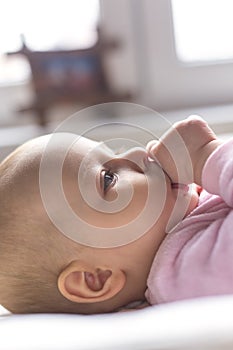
<point>195,117</point>
<point>151,146</point>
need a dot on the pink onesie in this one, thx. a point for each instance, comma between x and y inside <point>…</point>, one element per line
<point>196,258</point>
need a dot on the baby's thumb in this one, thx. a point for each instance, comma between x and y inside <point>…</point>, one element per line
<point>195,117</point>
<point>150,147</point>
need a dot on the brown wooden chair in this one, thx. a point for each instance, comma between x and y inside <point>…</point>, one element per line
<point>69,76</point>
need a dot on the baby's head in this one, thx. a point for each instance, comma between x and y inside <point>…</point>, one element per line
<point>43,268</point>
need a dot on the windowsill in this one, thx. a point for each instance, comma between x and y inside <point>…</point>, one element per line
<point>220,118</point>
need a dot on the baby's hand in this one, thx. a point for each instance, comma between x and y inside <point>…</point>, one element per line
<point>184,149</point>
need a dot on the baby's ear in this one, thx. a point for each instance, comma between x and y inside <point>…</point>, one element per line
<point>81,283</point>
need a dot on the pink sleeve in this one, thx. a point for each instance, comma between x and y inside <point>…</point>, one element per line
<point>196,258</point>
<point>217,175</point>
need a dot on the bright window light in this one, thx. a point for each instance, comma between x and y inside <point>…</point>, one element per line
<point>46,25</point>
<point>203,29</point>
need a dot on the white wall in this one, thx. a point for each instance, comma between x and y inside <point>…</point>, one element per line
<point>162,81</point>
<point>11,99</point>
<point>146,63</point>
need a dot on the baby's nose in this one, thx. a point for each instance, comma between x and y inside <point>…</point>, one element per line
<point>137,156</point>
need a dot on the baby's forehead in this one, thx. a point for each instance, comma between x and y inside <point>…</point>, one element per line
<point>29,154</point>
<point>53,148</point>
<point>85,144</point>
<point>53,143</point>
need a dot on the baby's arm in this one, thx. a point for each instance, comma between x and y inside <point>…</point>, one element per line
<point>217,175</point>
<point>182,152</point>
<point>195,259</point>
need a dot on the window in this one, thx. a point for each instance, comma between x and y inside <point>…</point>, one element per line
<point>46,25</point>
<point>203,29</point>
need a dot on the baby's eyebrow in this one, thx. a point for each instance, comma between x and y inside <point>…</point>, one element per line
<point>116,151</point>
<point>105,147</point>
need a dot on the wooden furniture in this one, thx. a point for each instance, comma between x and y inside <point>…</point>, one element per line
<point>69,76</point>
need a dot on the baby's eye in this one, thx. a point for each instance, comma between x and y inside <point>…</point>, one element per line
<point>109,179</point>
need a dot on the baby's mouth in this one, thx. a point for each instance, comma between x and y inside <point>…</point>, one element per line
<point>174,185</point>
<point>179,186</point>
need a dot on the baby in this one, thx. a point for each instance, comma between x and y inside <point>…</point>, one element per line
<point>44,268</point>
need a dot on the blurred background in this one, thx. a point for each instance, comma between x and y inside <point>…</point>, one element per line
<point>57,57</point>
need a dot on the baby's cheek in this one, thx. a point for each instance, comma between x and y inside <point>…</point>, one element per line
<point>194,197</point>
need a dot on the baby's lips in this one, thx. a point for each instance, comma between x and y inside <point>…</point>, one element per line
<point>180,186</point>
